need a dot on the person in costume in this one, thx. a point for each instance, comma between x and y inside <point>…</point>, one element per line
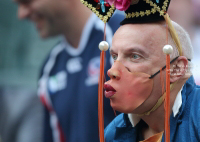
<point>136,59</point>
<point>136,86</point>
<point>137,78</point>
<point>69,78</point>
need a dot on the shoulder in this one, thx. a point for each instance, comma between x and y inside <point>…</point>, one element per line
<point>110,130</point>
<point>57,49</point>
<point>52,56</point>
<point>195,110</point>
<point>191,93</point>
<point>195,100</point>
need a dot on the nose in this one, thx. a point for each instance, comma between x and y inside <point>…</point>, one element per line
<point>23,11</point>
<point>113,73</point>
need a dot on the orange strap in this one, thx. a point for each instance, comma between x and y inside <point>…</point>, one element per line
<point>100,99</point>
<point>167,100</point>
<point>100,93</point>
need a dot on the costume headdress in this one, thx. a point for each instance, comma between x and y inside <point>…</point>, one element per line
<point>136,11</point>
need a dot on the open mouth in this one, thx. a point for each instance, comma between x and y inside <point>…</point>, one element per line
<point>109,90</point>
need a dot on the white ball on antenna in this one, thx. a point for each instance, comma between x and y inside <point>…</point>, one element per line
<point>103,46</point>
<point>168,49</point>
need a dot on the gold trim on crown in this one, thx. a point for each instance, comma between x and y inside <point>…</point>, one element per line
<point>103,18</point>
<point>150,11</point>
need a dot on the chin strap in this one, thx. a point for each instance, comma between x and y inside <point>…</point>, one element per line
<point>159,102</point>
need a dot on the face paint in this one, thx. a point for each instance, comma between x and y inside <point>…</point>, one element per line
<point>127,90</point>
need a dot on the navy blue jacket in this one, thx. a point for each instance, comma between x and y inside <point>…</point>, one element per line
<point>185,127</point>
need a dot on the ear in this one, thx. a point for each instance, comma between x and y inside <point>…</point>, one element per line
<point>178,69</point>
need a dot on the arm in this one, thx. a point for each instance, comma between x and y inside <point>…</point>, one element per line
<point>47,132</point>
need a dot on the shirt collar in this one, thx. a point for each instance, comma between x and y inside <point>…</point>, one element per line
<point>134,119</point>
<point>178,103</point>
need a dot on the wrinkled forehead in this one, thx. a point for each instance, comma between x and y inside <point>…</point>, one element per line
<point>148,37</point>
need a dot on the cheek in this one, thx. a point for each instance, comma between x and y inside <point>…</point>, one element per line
<point>159,84</point>
<point>124,98</point>
<point>132,91</point>
<point>145,67</point>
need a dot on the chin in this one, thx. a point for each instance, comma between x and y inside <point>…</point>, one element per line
<point>44,35</point>
<point>121,108</point>
<point>45,32</point>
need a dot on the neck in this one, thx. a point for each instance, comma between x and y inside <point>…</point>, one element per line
<point>155,120</point>
<point>75,27</point>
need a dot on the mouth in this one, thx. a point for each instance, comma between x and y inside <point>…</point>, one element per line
<point>109,90</point>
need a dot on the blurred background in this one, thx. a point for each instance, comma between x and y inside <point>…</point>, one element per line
<point>22,53</point>
<point>187,14</point>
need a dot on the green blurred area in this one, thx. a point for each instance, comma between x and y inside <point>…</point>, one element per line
<point>22,52</point>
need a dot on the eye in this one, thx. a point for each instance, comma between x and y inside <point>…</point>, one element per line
<point>135,56</point>
<point>114,56</point>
